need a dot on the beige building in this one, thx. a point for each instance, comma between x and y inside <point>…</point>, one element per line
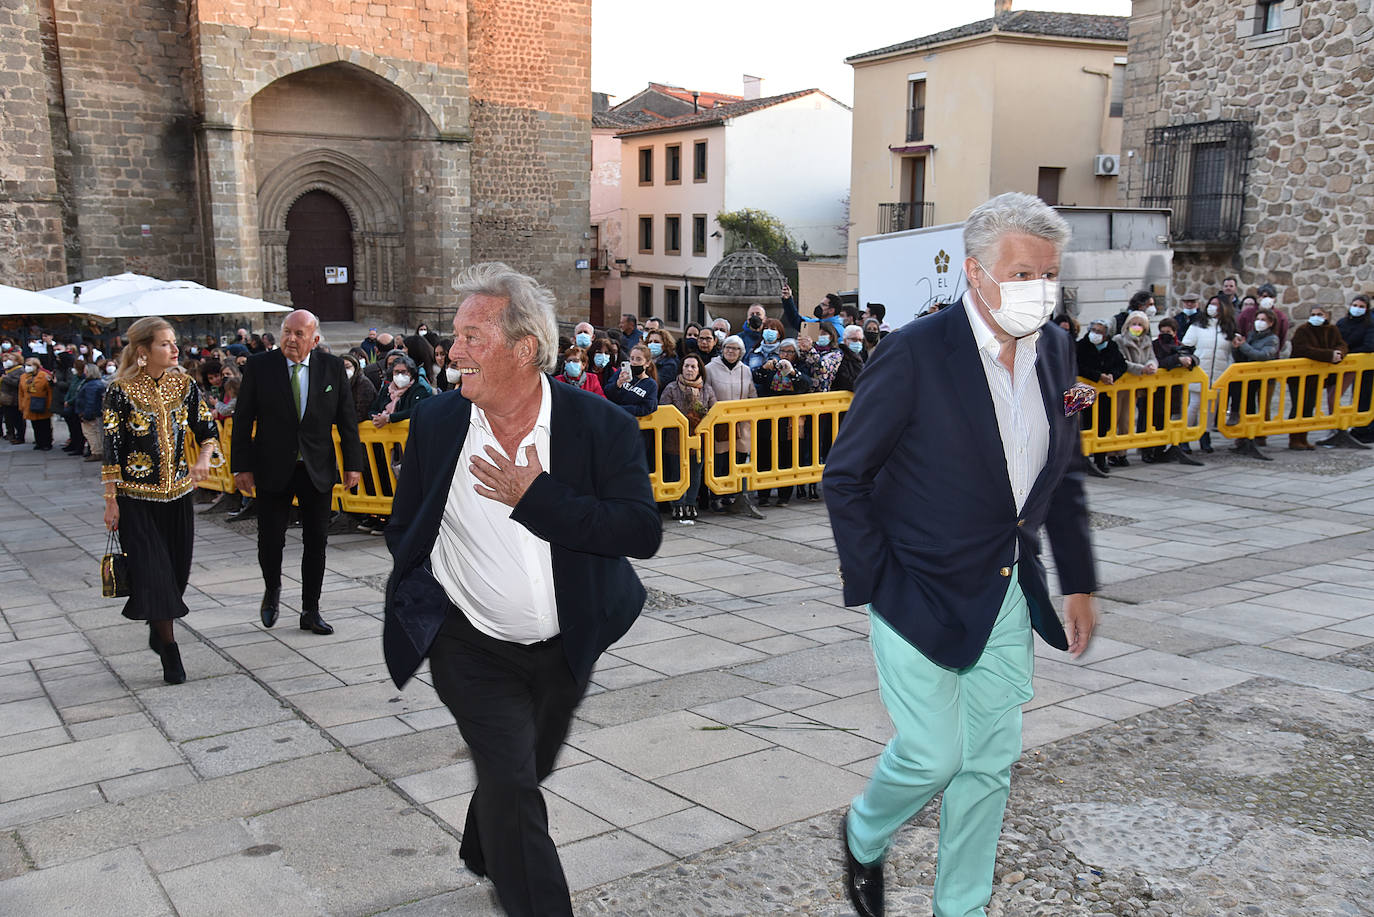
<point>1025,101</point>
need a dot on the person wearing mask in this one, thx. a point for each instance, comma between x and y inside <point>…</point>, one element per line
<point>364,394</point>
<point>663,349</point>
<point>1268,299</point>
<point>604,365</point>
<point>1141,301</point>
<point>779,376</point>
<point>76,379</point>
<point>147,414</point>
<point>688,342</point>
<point>88,404</point>
<point>583,332</point>
<point>853,357</point>
<point>361,387</point>
<point>577,371</point>
<point>706,344</point>
<point>636,385</point>
<point>1187,312</point>
<point>721,327</point>
<point>752,332</point>
<point>1357,329</point>
<point>770,334</point>
<point>873,333</point>
<point>12,367</point>
<point>1099,360</point>
<point>1170,355</point>
<point>1138,350</point>
<point>729,377</point>
<point>1209,334</point>
<point>421,351</point>
<point>690,394</point>
<point>1261,344</point>
<point>1316,340</point>
<point>444,380</point>
<point>954,455</point>
<point>404,389</point>
<point>36,394</point>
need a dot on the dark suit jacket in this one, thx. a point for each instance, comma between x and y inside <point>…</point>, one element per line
<point>920,502</point>
<point>265,398</point>
<point>593,504</point>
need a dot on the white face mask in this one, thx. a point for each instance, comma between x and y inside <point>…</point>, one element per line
<point>1357,311</point>
<point>1267,302</point>
<point>452,374</point>
<point>1026,304</point>
<point>28,369</point>
<point>1150,311</point>
<point>111,370</point>
<point>348,371</point>
<point>1211,311</point>
<point>1094,337</point>
<point>401,380</point>
<point>1261,325</point>
<point>8,364</point>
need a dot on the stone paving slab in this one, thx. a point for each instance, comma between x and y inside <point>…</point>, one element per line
<point>1234,652</point>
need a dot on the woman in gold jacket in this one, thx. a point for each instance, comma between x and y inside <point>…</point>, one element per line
<point>148,413</point>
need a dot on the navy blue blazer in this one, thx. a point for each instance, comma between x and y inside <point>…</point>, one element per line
<point>920,503</point>
<point>593,504</point>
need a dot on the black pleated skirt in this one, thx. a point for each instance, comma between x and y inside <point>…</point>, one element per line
<point>157,537</point>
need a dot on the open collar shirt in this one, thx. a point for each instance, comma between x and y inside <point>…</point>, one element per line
<point>495,570</point>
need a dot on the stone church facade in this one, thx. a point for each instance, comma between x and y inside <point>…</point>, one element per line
<point>1252,120</point>
<point>343,155</point>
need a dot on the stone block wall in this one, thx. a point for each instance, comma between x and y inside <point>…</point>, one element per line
<point>1308,89</point>
<point>31,249</point>
<point>530,66</point>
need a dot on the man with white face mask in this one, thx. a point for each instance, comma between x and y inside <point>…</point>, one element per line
<point>955,452</point>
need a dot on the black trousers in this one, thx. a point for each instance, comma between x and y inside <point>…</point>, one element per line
<point>14,422</point>
<point>274,510</point>
<point>513,704</point>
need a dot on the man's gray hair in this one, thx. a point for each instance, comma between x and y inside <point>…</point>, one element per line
<point>529,306</point>
<point>1014,211</point>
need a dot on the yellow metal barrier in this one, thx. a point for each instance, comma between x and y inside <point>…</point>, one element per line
<point>668,419</point>
<point>1137,412</point>
<point>788,435</point>
<point>1310,396</point>
<point>220,478</point>
<point>382,451</point>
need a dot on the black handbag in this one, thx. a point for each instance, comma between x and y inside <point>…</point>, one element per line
<point>114,569</point>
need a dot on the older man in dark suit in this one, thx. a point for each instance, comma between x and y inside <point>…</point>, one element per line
<point>297,397</point>
<point>517,504</point>
<point>936,499</point>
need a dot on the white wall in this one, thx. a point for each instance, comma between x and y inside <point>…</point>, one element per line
<point>792,160</point>
<point>686,198</point>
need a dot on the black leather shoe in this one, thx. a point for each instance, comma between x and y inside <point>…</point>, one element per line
<point>864,883</point>
<point>173,672</point>
<point>245,511</point>
<point>312,622</point>
<point>269,609</point>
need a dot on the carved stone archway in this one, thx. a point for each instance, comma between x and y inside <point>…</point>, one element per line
<point>378,234</point>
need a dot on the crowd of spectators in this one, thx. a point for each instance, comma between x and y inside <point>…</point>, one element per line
<point>640,366</point>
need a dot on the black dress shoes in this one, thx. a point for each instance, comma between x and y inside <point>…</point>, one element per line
<point>269,610</point>
<point>312,622</point>
<point>864,883</point>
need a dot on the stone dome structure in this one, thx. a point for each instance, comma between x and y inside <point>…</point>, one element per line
<point>740,279</point>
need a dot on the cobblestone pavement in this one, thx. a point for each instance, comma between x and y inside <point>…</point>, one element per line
<point>1210,755</point>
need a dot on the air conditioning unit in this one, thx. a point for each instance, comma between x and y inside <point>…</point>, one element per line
<point>1107,164</point>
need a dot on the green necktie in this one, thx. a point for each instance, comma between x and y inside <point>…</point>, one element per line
<point>296,387</point>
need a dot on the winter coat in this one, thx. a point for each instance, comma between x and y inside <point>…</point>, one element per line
<point>1138,352</point>
<point>1358,333</point>
<point>36,385</point>
<point>731,383</point>
<point>692,402</point>
<point>1093,364</point>
<point>1258,345</point>
<point>1212,347</point>
<point>90,398</point>
<point>1317,342</point>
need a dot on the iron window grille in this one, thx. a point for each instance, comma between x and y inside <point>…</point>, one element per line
<point>1199,171</point>
<point>900,215</point>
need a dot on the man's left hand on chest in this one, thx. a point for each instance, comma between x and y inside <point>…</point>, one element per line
<point>502,480</point>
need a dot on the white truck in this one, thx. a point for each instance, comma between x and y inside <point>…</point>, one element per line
<point>1113,253</point>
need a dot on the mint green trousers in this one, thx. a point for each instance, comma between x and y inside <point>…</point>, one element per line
<point>957,730</point>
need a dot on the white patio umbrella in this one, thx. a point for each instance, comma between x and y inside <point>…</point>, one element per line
<point>101,288</point>
<point>183,297</point>
<point>14,301</point>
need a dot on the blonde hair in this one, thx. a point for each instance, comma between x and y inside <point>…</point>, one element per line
<point>140,334</point>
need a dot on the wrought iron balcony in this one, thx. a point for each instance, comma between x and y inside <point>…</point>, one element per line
<point>900,215</point>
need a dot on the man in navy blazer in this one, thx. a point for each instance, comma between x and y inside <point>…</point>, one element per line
<point>955,452</point>
<point>516,507</point>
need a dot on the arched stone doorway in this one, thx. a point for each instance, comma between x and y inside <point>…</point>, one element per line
<point>319,256</point>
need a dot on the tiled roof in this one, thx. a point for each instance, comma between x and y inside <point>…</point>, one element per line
<point>704,99</point>
<point>720,114</point>
<point>624,119</point>
<point>1024,22</point>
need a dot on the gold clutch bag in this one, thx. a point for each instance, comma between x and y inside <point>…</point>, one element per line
<point>114,570</point>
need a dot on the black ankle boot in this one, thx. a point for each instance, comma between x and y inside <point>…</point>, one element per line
<point>172,670</point>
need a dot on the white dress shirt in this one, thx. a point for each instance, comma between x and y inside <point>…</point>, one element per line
<point>1021,419</point>
<point>497,571</point>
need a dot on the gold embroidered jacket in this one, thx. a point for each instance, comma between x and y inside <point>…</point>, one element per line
<point>146,423</point>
